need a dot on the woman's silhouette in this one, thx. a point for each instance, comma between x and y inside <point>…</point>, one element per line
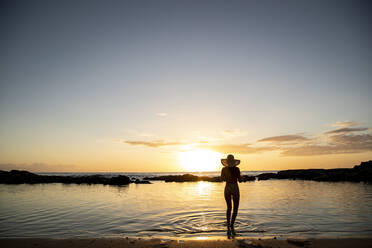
<point>231,174</point>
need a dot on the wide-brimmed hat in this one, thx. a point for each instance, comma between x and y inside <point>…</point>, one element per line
<point>230,161</point>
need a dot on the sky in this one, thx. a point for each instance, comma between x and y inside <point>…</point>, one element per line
<point>131,85</point>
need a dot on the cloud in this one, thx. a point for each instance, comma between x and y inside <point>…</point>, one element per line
<point>38,167</point>
<point>337,144</point>
<point>347,130</point>
<point>310,150</point>
<point>362,140</point>
<point>162,114</point>
<point>284,138</point>
<point>345,124</point>
<point>155,144</point>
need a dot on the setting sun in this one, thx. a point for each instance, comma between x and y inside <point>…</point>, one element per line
<point>199,160</point>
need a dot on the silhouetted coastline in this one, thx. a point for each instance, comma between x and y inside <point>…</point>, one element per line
<point>359,173</point>
<point>193,178</point>
<point>19,177</point>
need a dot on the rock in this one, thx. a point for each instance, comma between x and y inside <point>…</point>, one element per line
<point>360,173</point>
<point>193,178</point>
<point>119,180</point>
<point>245,243</point>
<point>301,174</point>
<point>184,178</point>
<point>266,176</point>
<point>297,242</point>
<point>19,177</point>
<point>142,182</point>
<point>246,178</point>
<point>364,166</point>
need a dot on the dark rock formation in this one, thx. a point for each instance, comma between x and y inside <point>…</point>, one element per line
<point>18,177</point>
<point>246,178</point>
<point>137,181</point>
<point>192,178</point>
<point>360,173</point>
<point>300,174</point>
<point>184,178</point>
<point>265,176</point>
<point>364,171</point>
<point>119,180</point>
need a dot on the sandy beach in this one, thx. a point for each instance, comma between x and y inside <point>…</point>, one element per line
<point>158,243</point>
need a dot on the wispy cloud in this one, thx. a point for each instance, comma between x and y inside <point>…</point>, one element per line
<point>362,140</point>
<point>162,114</point>
<point>156,143</point>
<point>284,138</point>
<point>345,124</point>
<point>347,130</point>
<point>338,144</point>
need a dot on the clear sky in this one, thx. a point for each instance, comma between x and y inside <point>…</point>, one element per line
<point>131,85</point>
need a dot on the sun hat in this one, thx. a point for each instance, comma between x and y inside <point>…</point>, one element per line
<point>230,161</point>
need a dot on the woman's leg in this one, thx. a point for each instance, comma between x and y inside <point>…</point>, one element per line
<point>228,203</point>
<point>236,198</point>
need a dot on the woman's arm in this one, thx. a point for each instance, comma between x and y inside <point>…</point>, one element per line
<point>239,175</point>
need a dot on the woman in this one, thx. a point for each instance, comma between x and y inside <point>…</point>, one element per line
<point>231,174</point>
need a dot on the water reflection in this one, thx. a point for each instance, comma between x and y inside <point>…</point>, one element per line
<point>185,209</point>
<point>202,238</point>
<point>203,188</point>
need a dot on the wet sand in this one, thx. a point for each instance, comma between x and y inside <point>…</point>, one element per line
<point>158,243</point>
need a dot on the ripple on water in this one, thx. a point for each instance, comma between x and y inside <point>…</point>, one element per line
<point>196,223</point>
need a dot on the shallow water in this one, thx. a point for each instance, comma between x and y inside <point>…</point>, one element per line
<point>267,208</point>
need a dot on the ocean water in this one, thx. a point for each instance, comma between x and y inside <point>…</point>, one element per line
<point>282,208</point>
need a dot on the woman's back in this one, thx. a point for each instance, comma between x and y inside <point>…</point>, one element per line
<point>230,174</point>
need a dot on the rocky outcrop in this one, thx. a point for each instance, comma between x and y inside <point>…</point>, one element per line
<point>19,177</point>
<point>246,178</point>
<point>360,173</point>
<point>266,176</point>
<point>184,178</point>
<point>137,181</point>
<point>193,178</point>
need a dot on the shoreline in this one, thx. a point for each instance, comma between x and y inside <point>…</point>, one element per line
<point>192,243</point>
<point>359,173</point>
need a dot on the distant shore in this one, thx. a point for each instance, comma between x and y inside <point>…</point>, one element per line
<point>158,243</point>
<point>359,173</point>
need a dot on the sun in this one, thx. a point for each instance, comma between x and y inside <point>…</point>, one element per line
<point>199,160</point>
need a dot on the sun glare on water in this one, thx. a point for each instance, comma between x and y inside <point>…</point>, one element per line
<point>199,160</point>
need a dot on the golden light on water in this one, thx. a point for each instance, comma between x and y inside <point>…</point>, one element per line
<point>203,187</point>
<point>202,238</point>
<point>199,160</point>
